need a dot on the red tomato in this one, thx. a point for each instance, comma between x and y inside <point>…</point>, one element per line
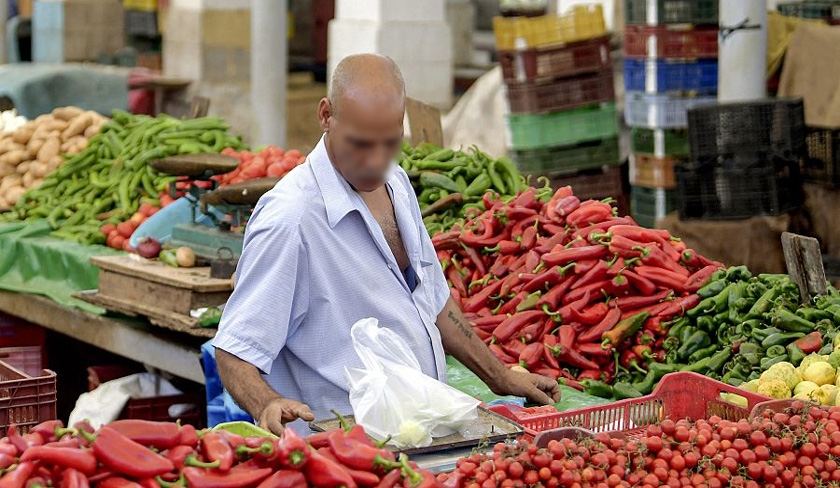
<point>276,170</point>
<point>125,229</point>
<point>118,241</point>
<point>294,153</point>
<point>165,200</point>
<point>136,219</point>
<point>127,246</point>
<point>107,229</point>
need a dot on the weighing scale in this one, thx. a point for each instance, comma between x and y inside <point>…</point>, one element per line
<point>236,202</point>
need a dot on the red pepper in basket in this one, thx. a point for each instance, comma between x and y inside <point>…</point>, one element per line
<point>596,274</point>
<point>532,261</point>
<point>548,278</point>
<point>589,212</point>
<point>201,478</point>
<point>551,206</point>
<point>585,266</point>
<point>567,205</point>
<point>643,285</point>
<point>555,240</point>
<point>394,477</point>
<point>178,455</point>
<point>66,457</point>
<point>810,343</point>
<point>571,357</point>
<point>319,440</point>
<point>574,254</point>
<point>118,482</point>
<point>284,479</point>
<point>531,333</point>
<point>530,357</point>
<point>624,329</point>
<point>698,279</point>
<point>17,477</point>
<point>566,336</point>
<point>551,300</point>
<point>529,238</point>
<point>124,456</point>
<point>590,316</point>
<point>161,435</point>
<point>662,277</point>
<point>678,306</point>
<point>513,348</point>
<point>596,332</point>
<point>514,323</point>
<point>358,455</point>
<point>216,447</point>
<point>628,248</point>
<point>501,355</point>
<point>510,306</point>
<point>480,299</point>
<point>47,430</point>
<point>71,478</point>
<point>322,471</point>
<point>188,436</point>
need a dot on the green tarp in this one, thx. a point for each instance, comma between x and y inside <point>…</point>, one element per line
<point>33,262</point>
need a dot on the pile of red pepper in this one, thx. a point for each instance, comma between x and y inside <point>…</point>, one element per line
<point>565,288</point>
<point>145,454</point>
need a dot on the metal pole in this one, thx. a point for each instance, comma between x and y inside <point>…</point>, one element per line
<point>269,61</point>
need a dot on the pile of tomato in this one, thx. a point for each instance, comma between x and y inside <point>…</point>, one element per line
<point>272,162</point>
<point>797,447</point>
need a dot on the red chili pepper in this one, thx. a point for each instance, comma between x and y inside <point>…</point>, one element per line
<point>530,357</point>
<point>528,199</point>
<point>200,478</point>
<point>501,266</point>
<point>531,332</point>
<point>551,300</point>
<point>572,383</point>
<point>319,440</point>
<point>36,482</point>
<point>584,296</point>
<point>679,306</point>
<point>591,374</point>
<point>513,348</point>
<point>571,357</point>
<point>480,299</point>
<point>456,281</point>
<point>574,254</point>
<point>446,240</point>
<point>662,277</point>
<point>585,232</point>
<point>589,213</point>
<point>284,479</point>
<point>553,230</point>
<point>634,302</point>
<point>8,448</point>
<point>593,350</point>
<point>488,323</point>
<point>118,482</point>
<point>476,260</point>
<point>234,440</point>
<point>551,372</point>
<point>15,438</point>
<point>512,324</point>
<point>217,448</point>
<point>630,249</point>
<point>529,238</point>
<point>551,207</point>
<point>81,460</point>
<point>6,461</point>
<point>555,240</point>
<point>597,273</point>
<point>358,455</point>
<point>689,257</point>
<point>532,261</point>
<point>624,329</point>
<point>124,456</point>
<point>47,429</point>
<point>178,455</point>
<point>16,478</point>
<point>643,285</point>
<point>566,336</point>
<point>392,479</point>
<point>510,306</point>
<point>698,279</point>
<point>161,435</point>
<point>71,478</point>
<point>567,205</point>
<point>501,355</point>
<point>591,316</point>
<point>810,343</point>
<point>322,471</point>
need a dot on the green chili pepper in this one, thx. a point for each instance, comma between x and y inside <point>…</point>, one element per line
<point>677,326</point>
<point>712,288</point>
<point>479,185</point>
<point>795,353</point>
<point>623,390</point>
<point>738,273</point>
<point>495,178</point>
<point>764,303</point>
<point>776,350</point>
<point>210,317</point>
<point>704,322</point>
<point>749,348</point>
<point>813,314</point>
<point>597,388</point>
<point>686,332</point>
<point>655,372</point>
<point>429,179</point>
<point>703,353</point>
<point>717,361</point>
<point>758,334</point>
<point>167,256</point>
<point>699,366</point>
<point>780,339</point>
<point>770,361</point>
<point>790,322</point>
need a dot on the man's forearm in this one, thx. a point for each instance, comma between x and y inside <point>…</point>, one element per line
<point>461,342</point>
<point>244,383</point>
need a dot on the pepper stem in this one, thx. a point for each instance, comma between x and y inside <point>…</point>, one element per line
<point>381,444</point>
<point>342,421</point>
<point>194,462</point>
<point>169,484</point>
<point>266,449</point>
<point>61,432</point>
<point>87,435</point>
<point>414,477</point>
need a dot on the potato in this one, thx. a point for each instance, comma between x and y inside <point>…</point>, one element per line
<point>54,163</point>
<point>67,113</point>
<point>13,146</point>
<point>92,130</point>
<point>50,148</point>
<point>23,133</point>
<point>15,157</point>
<point>53,134</point>
<point>6,170</point>
<point>14,193</point>
<point>3,203</point>
<point>23,168</point>
<point>27,180</point>
<point>34,146</point>
<point>77,126</point>
<point>43,119</point>
<point>10,181</point>
<point>38,169</point>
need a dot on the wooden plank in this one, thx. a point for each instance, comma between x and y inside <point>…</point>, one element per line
<point>424,121</point>
<point>165,297</point>
<point>195,279</point>
<point>199,107</point>
<point>804,264</point>
<point>130,338</point>
<point>161,318</point>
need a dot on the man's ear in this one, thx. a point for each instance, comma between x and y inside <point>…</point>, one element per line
<point>325,113</point>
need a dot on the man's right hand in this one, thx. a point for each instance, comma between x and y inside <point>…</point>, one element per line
<point>281,411</point>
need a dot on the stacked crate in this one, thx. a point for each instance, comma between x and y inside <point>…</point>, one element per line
<point>560,90</point>
<point>812,9</point>
<point>745,160</point>
<point>670,64</point>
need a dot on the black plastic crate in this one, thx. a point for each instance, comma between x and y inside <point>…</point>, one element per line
<point>825,10</point>
<point>774,126</point>
<point>771,185</point>
<point>656,12</point>
<point>139,23</point>
<point>822,164</point>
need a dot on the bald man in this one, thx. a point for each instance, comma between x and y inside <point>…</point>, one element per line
<point>340,239</point>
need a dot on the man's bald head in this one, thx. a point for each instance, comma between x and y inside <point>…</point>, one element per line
<point>367,79</point>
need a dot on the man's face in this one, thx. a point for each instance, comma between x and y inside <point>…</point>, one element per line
<point>363,140</point>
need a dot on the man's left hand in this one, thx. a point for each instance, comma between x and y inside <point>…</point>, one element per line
<point>536,388</point>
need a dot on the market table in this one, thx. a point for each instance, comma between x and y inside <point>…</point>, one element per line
<point>131,338</point>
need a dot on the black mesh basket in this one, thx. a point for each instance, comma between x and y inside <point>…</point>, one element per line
<point>769,126</point>
<point>738,188</point>
<point>822,164</point>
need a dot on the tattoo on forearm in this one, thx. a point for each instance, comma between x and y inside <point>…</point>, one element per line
<point>465,329</point>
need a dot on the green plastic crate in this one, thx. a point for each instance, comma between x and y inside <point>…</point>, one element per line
<point>649,204</point>
<point>568,159</point>
<point>563,128</point>
<point>657,12</point>
<point>660,142</point>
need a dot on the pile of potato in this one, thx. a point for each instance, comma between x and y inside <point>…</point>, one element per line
<point>38,147</point>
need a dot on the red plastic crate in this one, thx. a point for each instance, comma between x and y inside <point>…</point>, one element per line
<point>16,332</point>
<point>156,408</point>
<point>541,64</point>
<point>563,94</point>
<point>26,400</point>
<point>670,42</point>
<point>29,359</point>
<point>677,396</point>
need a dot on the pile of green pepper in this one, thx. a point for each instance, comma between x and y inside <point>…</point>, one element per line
<point>455,180</point>
<point>753,322</point>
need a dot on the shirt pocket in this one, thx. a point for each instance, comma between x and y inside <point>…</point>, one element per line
<point>424,293</point>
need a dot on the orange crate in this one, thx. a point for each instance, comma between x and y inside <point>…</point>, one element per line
<point>677,396</point>
<point>652,172</point>
<point>26,400</point>
<point>156,408</point>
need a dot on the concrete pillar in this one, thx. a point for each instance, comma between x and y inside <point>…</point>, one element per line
<point>269,60</point>
<point>413,33</point>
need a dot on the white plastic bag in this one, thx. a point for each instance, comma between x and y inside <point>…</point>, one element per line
<point>392,396</point>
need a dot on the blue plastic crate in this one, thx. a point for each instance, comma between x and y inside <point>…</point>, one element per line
<point>664,75</point>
